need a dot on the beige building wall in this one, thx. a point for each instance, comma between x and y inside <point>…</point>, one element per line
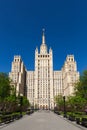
<point>18,75</point>
<point>58,83</point>
<point>43,77</point>
<point>30,86</point>
<point>70,75</point>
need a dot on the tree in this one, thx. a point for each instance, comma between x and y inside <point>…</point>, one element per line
<point>9,102</point>
<point>4,86</point>
<point>81,86</point>
<point>59,102</point>
<point>79,100</point>
<point>76,103</point>
<point>26,103</point>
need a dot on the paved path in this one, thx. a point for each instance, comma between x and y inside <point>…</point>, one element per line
<point>41,120</point>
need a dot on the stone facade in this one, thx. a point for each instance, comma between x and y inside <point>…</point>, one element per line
<point>70,75</point>
<point>43,84</point>
<point>18,75</point>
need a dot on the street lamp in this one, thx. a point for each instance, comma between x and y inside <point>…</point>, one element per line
<point>64,106</point>
<point>49,103</point>
<point>21,103</point>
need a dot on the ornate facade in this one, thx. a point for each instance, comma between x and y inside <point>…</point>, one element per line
<point>43,84</point>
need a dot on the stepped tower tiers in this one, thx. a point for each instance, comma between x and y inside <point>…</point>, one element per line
<point>44,76</point>
<point>43,84</point>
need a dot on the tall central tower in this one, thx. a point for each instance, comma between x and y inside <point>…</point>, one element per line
<point>43,76</point>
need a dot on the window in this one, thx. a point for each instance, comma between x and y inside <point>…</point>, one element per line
<point>72,59</point>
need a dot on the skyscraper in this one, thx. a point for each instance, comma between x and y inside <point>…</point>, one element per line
<point>43,84</point>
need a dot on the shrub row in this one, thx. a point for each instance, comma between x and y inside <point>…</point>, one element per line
<point>72,117</point>
<point>9,118</point>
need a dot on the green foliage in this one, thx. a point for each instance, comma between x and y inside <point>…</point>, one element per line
<point>11,98</point>
<point>81,86</point>
<point>59,102</point>
<point>4,86</point>
<point>79,100</point>
<point>9,101</point>
<point>76,103</point>
<point>25,101</point>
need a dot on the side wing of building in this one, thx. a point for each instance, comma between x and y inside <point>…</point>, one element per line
<point>70,75</point>
<point>18,75</point>
<point>58,83</point>
<point>30,86</point>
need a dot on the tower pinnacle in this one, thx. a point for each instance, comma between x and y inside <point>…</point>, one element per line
<point>43,36</point>
<point>43,47</point>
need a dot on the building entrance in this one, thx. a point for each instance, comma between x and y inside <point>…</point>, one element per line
<point>44,107</point>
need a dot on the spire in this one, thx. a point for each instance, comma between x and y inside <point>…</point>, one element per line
<point>43,47</point>
<point>43,36</point>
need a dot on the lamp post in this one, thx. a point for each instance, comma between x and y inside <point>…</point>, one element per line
<point>64,106</point>
<point>21,103</point>
<point>49,103</point>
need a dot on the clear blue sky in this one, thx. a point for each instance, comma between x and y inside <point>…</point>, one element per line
<point>21,23</point>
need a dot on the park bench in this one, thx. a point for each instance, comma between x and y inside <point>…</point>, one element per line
<point>78,121</point>
<point>57,112</point>
<point>30,112</point>
<point>84,122</point>
<point>71,117</point>
<point>9,118</point>
<point>6,119</point>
